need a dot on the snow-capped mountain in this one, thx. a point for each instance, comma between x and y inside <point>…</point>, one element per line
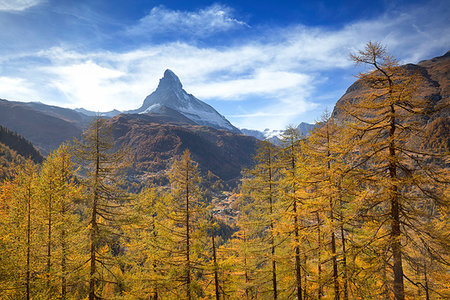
<point>273,136</point>
<point>90,113</point>
<point>170,94</point>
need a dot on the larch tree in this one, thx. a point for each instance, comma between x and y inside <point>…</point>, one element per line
<point>399,187</point>
<point>293,192</point>
<point>260,186</point>
<point>21,234</point>
<point>147,249</point>
<point>101,167</point>
<point>327,151</point>
<point>185,224</point>
<point>59,193</point>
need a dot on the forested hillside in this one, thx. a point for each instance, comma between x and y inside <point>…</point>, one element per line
<point>19,144</point>
<point>356,210</point>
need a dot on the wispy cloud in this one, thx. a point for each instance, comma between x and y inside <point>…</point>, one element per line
<point>17,5</point>
<point>257,83</point>
<point>203,22</point>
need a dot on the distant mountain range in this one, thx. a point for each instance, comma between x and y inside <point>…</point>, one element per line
<point>273,136</point>
<point>171,120</point>
<point>170,96</point>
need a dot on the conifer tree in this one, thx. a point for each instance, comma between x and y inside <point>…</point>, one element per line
<point>292,190</point>
<point>20,232</point>
<point>102,178</point>
<point>327,152</point>
<point>185,224</point>
<point>58,193</point>
<point>147,248</point>
<point>243,250</point>
<point>397,180</point>
<point>260,187</point>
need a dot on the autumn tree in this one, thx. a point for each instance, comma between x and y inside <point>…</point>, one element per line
<point>186,217</point>
<point>102,179</point>
<point>328,151</point>
<point>147,249</point>
<point>260,186</point>
<point>58,193</point>
<point>19,226</point>
<point>291,184</point>
<point>399,188</point>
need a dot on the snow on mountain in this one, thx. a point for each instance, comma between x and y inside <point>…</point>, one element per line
<point>273,136</point>
<point>170,93</point>
<point>108,114</point>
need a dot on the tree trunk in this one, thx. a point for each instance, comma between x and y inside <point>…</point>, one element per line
<point>49,246</point>
<point>319,262</point>
<point>188,261</point>
<point>216,276</point>
<point>334,256</point>
<point>63,264</point>
<point>272,239</point>
<point>427,293</point>
<point>399,292</point>
<point>63,240</point>
<point>344,251</point>
<point>28,279</point>
<point>297,253</point>
<point>94,225</point>
<point>247,292</point>
<point>296,228</point>
<point>333,239</point>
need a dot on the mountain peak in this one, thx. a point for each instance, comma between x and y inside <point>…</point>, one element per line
<point>171,95</point>
<point>170,80</point>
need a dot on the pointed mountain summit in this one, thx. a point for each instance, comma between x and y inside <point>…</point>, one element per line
<point>170,95</point>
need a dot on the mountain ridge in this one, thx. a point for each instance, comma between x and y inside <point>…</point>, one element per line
<point>170,93</point>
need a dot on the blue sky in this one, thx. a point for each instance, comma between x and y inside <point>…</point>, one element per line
<point>262,64</point>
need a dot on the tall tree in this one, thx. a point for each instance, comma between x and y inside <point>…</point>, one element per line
<point>102,166</point>
<point>396,179</point>
<point>260,186</point>
<point>185,225</point>
<point>58,193</point>
<point>292,189</point>
<point>327,149</point>
<point>146,254</point>
<point>20,232</point>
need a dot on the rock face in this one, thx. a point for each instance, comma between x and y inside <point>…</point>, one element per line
<point>435,86</point>
<point>170,94</point>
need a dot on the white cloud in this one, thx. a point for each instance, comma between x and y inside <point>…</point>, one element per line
<point>262,82</point>
<point>203,22</point>
<point>17,5</point>
<point>288,70</point>
<point>89,84</point>
<point>13,88</point>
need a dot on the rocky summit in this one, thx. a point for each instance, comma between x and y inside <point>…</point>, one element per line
<point>170,94</point>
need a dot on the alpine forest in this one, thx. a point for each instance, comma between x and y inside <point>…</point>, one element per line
<point>358,208</point>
